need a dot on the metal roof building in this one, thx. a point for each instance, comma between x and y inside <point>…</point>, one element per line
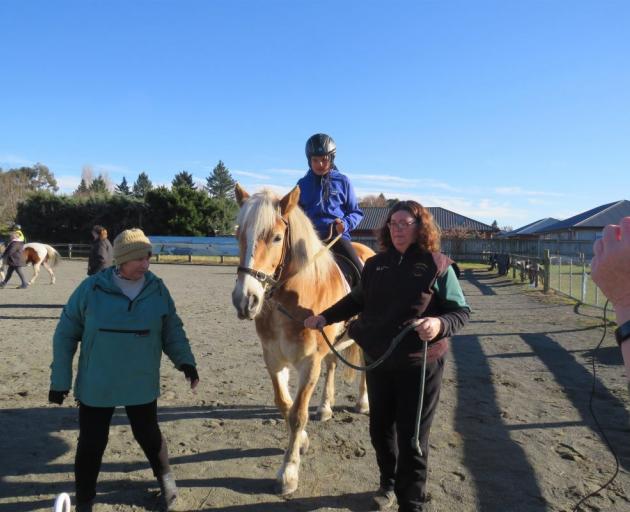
<point>532,230</point>
<point>589,224</point>
<point>374,218</point>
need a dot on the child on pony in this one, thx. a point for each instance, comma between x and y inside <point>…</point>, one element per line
<point>327,197</point>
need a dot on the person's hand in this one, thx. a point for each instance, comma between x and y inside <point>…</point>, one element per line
<point>428,327</point>
<point>610,268</point>
<point>315,322</point>
<point>191,374</point>
<point>57,397</point>
<point>340,227</point>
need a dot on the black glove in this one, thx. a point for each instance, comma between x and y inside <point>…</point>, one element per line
<point>190,372</point>
<point>57,397</point>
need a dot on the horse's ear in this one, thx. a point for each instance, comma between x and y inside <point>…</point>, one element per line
<point>240,194</point>
<point>290,201</point>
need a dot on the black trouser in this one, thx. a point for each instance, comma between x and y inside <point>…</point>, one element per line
<point>344,247</point>
<point>394,397</point>
<point>19,272</point>
<point>93,435</point>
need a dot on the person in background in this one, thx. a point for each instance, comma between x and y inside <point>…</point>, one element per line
<point>101,251</point>
<point>124,318</point>
<point>610,270</point>
<point>410,281</point>
<point>14,256</point>
<point>17,229</point>
<point>327,197</point>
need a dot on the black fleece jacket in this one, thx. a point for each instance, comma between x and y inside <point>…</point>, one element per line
<point>396,288</point>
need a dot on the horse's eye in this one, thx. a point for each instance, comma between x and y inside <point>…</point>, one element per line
<point>277,238</point>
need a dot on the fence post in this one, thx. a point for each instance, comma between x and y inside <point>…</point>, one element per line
<point>570,277</point>
<point>547,263</point>
<point>70,251</point>
<point>583,295</point>
<point>190,257</point>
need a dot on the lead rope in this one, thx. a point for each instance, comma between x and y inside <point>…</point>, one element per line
<point>415,440</point>
<point>599,427</point>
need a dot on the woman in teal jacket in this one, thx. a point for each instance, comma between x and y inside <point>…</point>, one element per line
<point>124,318</point>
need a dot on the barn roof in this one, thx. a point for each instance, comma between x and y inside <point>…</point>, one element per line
<point>531,229</point>
<point>374,217</point>
<point>595,218</point>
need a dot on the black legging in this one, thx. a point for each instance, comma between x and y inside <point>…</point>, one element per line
<point>18,271</point>
<point>93,436</point>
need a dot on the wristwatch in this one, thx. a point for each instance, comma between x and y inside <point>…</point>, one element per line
<point>622,333</point>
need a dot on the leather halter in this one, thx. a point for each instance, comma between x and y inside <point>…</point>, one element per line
<point>271,281</point>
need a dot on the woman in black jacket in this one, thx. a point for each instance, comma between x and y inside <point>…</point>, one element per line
<point>101,252</point>
<point>409,281</point>
<point>14,256</point>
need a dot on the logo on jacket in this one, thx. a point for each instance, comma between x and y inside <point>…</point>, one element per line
<point>419,269</point>
<point>382,267</point>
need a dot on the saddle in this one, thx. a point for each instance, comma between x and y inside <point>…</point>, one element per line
<point>348,269</point>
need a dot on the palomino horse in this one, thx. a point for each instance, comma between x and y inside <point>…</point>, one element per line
<point>37,254</point>
<point>285,275</point>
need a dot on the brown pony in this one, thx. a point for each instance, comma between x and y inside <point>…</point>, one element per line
<point>285,274</point>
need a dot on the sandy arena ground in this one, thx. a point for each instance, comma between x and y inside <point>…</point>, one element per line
<point>513,431</point>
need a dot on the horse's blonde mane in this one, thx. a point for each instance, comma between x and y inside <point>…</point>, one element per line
<point>258,216</point>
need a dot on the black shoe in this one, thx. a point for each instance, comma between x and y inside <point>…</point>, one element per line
<point>21,287</point>
<point>2,284</point>
<point>84,507</point>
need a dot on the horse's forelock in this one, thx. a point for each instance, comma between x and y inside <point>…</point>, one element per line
<point>259,215</point>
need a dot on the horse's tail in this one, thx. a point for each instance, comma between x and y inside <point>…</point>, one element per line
<point>53,256</point>
<point>353,354</point>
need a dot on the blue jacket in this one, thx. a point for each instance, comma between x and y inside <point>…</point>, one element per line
<point>329,197</point>
<point>122,342</point>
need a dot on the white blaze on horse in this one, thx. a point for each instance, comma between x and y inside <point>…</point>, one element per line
<point>37,254</point>
<point>284,266</point>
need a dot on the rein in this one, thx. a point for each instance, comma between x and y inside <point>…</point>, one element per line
<point>415,440</point>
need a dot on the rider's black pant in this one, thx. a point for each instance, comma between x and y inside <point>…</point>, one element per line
<point>344,247</point>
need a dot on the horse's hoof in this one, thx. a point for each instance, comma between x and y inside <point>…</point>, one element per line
<point>285,490</point>
<point>362,409</point>
<point>324,414</point>
<point>287,479</point>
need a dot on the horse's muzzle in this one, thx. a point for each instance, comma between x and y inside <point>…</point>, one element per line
<point>247,305</point>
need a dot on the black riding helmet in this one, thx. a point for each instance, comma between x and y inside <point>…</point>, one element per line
<point>320,144</point>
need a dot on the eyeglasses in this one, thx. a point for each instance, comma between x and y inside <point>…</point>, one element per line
<point>402,224</point>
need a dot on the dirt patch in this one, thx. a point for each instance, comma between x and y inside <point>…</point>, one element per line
<point>513,430</point>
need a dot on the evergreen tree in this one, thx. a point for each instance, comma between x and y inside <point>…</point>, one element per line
<point>220,183</point>
<point>183,179</point>
<point>98,185</point>
<point>82,189</point>
<point>142,185</point>
<point>495,226</point>
<point>123,188</point>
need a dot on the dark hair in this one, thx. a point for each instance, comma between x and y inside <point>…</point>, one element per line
<point>99,231</point>
<point>427,230</point>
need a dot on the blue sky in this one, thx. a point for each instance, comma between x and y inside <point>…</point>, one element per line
<point>506,110</point>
